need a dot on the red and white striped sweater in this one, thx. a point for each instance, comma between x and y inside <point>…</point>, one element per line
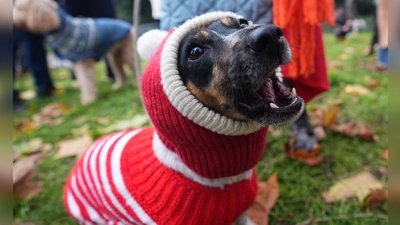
<point>193,167</point>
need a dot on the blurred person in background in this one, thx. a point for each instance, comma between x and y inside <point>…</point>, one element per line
<point>34,53</point>
<point>383,34</point>
<point>343,23</point>
<point>156,10</point>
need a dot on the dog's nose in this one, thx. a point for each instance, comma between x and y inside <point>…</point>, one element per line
<point>265,38</point>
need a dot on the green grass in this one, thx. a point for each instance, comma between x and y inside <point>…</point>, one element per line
<point>300,185</point>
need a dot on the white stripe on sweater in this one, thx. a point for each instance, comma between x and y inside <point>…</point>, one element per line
<point>96,181</point>
<point>171,160</point>
<point>93,214</point>
<point>73,207</point>
<point>119,182</point>
<point>86,176</point>
<point>106,185</point>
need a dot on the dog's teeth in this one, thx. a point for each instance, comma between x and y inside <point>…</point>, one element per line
<point>273,106</point>
<point>293,94</point>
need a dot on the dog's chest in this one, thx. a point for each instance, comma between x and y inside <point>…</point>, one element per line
<point>137,186</point>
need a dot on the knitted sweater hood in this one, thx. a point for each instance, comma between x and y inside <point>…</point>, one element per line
<point>208,143</point>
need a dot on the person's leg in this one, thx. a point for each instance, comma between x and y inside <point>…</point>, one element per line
<point>35,54</point>
<point>18,104</point>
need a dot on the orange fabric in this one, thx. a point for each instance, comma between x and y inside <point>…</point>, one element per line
<point>299,18</point>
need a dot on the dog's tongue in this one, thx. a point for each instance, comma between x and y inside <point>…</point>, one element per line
<point>277,94</point>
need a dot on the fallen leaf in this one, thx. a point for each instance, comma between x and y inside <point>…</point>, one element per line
<point>24,166</point>
<point>81,131</point>
<point>102,120</point>
<point>54,109</point>
<point>385,154</point>
<point>48,113</point>
<point>331,115</point>
<point>359,186</point>
<point>26,148</point>
<point>136,122</point>
<point>310,158</point>
<point>335,64</point>
<point>73,147</point>
<point>327,116</point>
<point>28,190</point>
<point>375,198</point>
<point>356,90</point>
<point>383,172</point>
<point>275,131</point>
<point>24,127</point>
<point>371,83</point>
<point>27,95</point>
<point>319,132</point>
<point>268,193</point>
<point>318,115</point>
<point>80,120</point>
<point>354,128</point>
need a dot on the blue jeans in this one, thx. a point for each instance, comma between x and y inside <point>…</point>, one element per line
<point>383,57</point>
<point>35,56</point>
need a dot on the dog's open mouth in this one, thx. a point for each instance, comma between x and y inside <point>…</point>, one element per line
<point>276,94</point>
<point>272,103</point>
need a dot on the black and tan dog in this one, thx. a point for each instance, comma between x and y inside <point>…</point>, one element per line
<point>210,91</point>
<point>230,67</point>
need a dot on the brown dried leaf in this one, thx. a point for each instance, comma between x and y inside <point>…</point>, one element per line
<point>48,113</point>
<point>310,158</point>
<point>73,147</point>
<point>359,186</point>
<point>373,83</point>
<point>318,115</point>
<point>268,193</point>
<point>376,198</point>
<point>356,90</point>
<point>335,64</point>
<point>331,115</point>
<point>28,190</point>
<point>319,132</point>
<point>355,128</point>
<point>385,154</point>
<point>102,120</point>
<point>24,127</point>
<point>24,166</point>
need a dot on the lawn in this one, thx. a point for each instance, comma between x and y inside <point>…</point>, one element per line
<point>300,185</point>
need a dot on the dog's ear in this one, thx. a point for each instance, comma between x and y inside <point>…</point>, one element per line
<point>148,43</point>
<point>42,16</point>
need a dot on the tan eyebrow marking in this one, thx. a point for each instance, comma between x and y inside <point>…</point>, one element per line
<point>202,34</point>
<point>227,21</point>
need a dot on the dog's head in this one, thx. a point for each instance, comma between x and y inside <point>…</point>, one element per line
<point>230,66</point>
<point>38,16</point>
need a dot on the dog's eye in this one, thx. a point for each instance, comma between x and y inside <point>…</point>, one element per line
<point>196,53</point>
<point>243,23</point>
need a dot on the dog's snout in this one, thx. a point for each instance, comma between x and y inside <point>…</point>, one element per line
<point>265,38</point>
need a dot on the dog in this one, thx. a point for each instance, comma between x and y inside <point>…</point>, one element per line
<point>81,40</point>
<point>210,91</point>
